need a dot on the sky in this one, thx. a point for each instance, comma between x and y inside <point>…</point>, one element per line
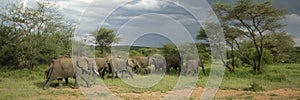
<point>154,22</point>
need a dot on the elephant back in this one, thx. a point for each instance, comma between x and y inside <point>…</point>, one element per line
<point>63,67</point>
<point>173,60</point>
<point>101,63</point>
<point>158,61</point>
<point>118,64</point>
<point>142,61</point>
<point>83,63</point>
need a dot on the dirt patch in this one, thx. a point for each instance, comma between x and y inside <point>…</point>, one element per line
<point>77,95</point>
<point>56,97</point>
<point>285,93</point>
<point>141,96</point>
<point>97,91</point>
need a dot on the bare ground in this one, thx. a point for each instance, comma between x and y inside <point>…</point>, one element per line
<point>284,93</point>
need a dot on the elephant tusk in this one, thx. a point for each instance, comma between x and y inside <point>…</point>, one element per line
<point>96,72</point>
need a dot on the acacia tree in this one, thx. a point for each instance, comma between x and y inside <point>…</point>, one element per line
<point>215,39</point>
<point>256,19</point>
<point>280,45</point>
<point>231,37</point>
<point>104,38</point>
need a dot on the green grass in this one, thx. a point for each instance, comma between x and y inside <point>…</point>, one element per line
<point>16,84</point>
<point>273,77</point>
<point>166,84</point>
<point>22,84</point>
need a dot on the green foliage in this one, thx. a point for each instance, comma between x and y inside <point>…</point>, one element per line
<point>134,53</point>
<point>294,55</point>
<point>280,46</point>
<point>104,38</point>
<point>204,52</point>
<point>148,51</point>
<point>33,35</point>
<point>170,49</point>
<point>257,18</point>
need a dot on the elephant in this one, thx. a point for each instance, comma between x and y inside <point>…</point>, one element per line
<point>192,67</point>
<point>159,62</point>
<point>138,63</point>
<point>102,66</point>
<point>63,68</point>
<point>173,62</point>
<point>119,65</point>
<point>47,72</point>
<point>150,69</point>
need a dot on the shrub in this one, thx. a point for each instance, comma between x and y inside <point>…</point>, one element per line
<point>254,86</point>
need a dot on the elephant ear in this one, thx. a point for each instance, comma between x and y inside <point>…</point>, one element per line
<point>130,62</point>
<point>108,60</point>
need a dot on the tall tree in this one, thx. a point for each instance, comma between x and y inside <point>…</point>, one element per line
<point>232,35</point>
<point>215,36</point>
<point>256,19</point>
<point>104,38</point>
<point>40,31</point>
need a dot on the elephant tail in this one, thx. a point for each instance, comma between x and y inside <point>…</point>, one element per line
<point>48,72</point>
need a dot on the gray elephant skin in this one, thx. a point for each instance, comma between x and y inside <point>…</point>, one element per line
<point>63,68</point>
<point>138,63</point>
<point>159,63</point>
<point>119,65</point>
<point>192,67</point>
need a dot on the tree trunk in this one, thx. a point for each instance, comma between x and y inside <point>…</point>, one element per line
<point>232,57</point>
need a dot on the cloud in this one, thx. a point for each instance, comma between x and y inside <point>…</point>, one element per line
<point>89,14</point>
<point>292,28</point>
<point>146,5</point>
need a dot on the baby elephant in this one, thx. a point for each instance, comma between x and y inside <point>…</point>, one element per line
<point>150,69</point>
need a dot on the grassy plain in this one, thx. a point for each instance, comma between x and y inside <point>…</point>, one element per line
<point>27,84</point>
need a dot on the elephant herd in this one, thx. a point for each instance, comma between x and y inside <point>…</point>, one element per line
<point>64,68</point>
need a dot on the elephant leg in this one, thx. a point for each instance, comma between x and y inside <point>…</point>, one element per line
<point>130,73</point>
<point>76,86</point>
<point>113,75</point>
<point>84,78</point>
<point>197,71</point>
<point>67,81</point>
<point>102,72</point>
<point>48,82</point>
<point>116,75</point>
<point>60,85</point>
<point>94,75</point>
<point>123,74</point>
<point>203,70</point>
<point>105,74</point>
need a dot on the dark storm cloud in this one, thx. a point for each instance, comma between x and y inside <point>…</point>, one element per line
<point>96,11</point>
<point>292,6</point>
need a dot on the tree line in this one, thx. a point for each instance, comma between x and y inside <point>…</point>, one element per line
<point>253,32</point>
<point>32,35</point>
